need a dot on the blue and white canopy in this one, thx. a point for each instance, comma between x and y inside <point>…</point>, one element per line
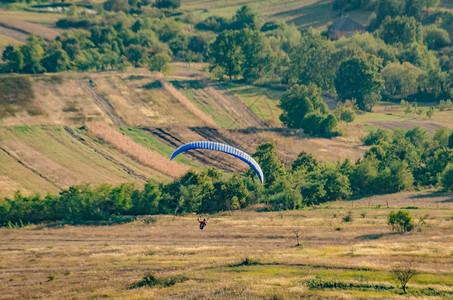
<point>222,148</point>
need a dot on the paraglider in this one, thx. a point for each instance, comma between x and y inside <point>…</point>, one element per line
<point>202,223</point>
<point>223,148</point>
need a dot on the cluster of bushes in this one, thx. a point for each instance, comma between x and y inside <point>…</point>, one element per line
<point>400,58</point>
<point>110,40</point>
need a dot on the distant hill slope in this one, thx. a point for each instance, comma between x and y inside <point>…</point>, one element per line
<point>45,144</point>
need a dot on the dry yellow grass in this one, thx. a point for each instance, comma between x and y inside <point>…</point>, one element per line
<point>137,151</point>
<point>207,120</point>
<point>104,261</point>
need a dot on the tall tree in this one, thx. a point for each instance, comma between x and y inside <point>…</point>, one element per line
<point>401,29</point>
<point>226,56</point>
<point>359,78</point>
<point>273,168</point>
<point>311,61</point>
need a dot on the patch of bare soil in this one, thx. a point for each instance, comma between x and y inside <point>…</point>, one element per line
<point>29,28</point>
<point>426,125</point>
<point>39,164</point>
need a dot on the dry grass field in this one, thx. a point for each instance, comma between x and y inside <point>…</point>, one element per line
<point>246,255</point>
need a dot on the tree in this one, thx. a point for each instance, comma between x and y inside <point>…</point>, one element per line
<point>33,52</point>
<point>450,141</point>
<point>436,38</point>
<point>159,62</point>
<point>14,59</point>
<point>386,8</point>
<point>401,221</point>
<point>311,62</point>
<point>447,178</point>
<point>117,5</point>
<point>303,108</point>
<point>402,274</point>
<point>273,168</point>
<point>245,17</point>
<point>430,112</point>
<point>305,161</point>
<point>167,4</point>
<point>225,55</point>
<point>345,111</point>
<point>253,50</point>
<point>56,60</point>
<point>400,78</point>
<point>359,78</point>
<point>401,29</point>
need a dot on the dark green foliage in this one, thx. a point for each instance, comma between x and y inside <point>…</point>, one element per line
<point>213,23</point>
<point>273,168</point>
<point>303,108</point>
<point>447,178</point>
<point>436,38</point>
<point>377,137</point>
<point>402,221</point>
<point>152,280</point>
<point>245,17</point>
<point>404,30</point>
<point>167,4</point>
<point>312,61</point>
<point>334,284</point>
<point>359,78</point>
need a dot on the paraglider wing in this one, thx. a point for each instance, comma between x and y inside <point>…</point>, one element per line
<point>223,148</point>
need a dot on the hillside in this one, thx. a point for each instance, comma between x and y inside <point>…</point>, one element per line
<point>46,145</point>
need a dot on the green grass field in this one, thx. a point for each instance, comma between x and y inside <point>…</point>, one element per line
<point>239,255</point>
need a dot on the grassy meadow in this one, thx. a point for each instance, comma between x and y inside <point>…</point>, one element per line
<point>242,254</point>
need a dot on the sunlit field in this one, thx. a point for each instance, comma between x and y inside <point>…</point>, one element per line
<point>243,254</point>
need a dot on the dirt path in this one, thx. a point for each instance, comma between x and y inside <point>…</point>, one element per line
<point>102,102</point>
<point>105,155</point>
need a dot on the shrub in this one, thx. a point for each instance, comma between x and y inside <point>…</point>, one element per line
<point>401,221</point>
<point>402,274</point>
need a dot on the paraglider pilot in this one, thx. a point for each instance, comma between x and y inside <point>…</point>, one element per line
<point>202,223</point>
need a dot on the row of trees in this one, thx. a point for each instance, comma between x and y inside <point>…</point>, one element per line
<point>396,161</point>
<point>400,58</point>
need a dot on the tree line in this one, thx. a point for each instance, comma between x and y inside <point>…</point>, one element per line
<point>395,161</point>
<point>402,58</point>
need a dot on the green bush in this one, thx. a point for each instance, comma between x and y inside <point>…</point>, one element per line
<point>401,221</point>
